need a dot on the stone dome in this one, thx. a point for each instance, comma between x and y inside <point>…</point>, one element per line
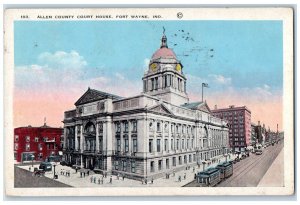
<point>164,52</point>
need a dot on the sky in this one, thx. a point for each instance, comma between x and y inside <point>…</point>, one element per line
<point>56,62</point>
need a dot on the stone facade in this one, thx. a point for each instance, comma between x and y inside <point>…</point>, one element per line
<point>148,135</point>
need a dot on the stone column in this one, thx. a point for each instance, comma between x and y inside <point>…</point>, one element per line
<point>121,136</point>
<point>108,142</point>
<point>76,135</point>
<point>129,137</point>
<point>97,136</point>
<point>81,144</point>
<point>65,137</point>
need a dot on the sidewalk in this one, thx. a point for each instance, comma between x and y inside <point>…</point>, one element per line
<point>274,176</point>
<point>76,181</point>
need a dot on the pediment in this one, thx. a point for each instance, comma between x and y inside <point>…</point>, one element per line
<point>161,109</point>
<point>204,107</point>
<point>92,95</point>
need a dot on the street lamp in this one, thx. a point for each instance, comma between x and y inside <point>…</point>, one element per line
<point>32,158</point>
<point>54,165</point>
<point>203,164</point>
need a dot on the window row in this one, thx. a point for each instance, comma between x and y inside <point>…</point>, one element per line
<point>175,144</point>
<point>125,126</point>
<point>165,164</point>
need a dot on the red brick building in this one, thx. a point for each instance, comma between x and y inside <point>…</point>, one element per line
<point>41,142</point>
<point>239,120</point>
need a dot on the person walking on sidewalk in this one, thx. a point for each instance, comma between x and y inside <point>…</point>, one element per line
<point>110,180</point>
<point>91,179</point>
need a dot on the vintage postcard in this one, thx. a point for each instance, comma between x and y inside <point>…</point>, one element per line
<point>145,101</point>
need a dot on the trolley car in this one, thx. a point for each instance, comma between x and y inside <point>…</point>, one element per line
<point>209,178</point>
<point>226,170</point>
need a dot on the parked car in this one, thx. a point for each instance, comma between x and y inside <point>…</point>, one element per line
<point>46,166</point>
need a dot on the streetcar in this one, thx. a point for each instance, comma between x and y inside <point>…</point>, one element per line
<point>226,170</point>
<point>258,149</point>
<point>209,178</point>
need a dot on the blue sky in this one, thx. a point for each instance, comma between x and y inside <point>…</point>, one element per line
<point>246,51</point>
<point>242,61</point>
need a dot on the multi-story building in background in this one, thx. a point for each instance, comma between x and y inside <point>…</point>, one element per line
<point>148,135</point>
<point>37,143</point>
<point>239,121</point>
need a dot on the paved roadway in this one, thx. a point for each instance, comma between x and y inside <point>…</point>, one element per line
<point>249,171</point>
<point>24,179</point>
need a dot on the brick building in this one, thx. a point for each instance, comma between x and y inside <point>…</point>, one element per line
<point>239,121</point>
<point>40,142</point>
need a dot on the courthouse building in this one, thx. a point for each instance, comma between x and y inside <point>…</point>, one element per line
<point>156,132</point>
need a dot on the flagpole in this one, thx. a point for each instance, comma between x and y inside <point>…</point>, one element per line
<point>202,92</point>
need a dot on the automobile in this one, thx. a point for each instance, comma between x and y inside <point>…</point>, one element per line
<point>46,166</point>
<point>63,163</point>
<point>38,172</point>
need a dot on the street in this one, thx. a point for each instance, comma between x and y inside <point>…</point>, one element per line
<point>24,179</point>
<point>249,172</point>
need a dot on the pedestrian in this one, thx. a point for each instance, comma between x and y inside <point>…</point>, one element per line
<point>88,172</point>
<point>80,174</point>
<point>94,180</point>
<point>110,180</point>
<point>146,181</point>
<point>123,177</point>
<point>193,169</point>
<point>195,176</point>
<point>102,180</point>
<point>142,181</point>
<point>76,169</point>
<point>152,180</point>
<point>118,176</point>
<point>99,181</point>
<point>179,178</point>
<point>184,176</point>
<point>84,174</point>
<point>91,179</point>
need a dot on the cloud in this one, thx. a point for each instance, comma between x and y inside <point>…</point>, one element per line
<point>220,79</point>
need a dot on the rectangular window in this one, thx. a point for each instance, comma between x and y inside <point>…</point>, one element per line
<point>182,144</point>
<point>45,139</point>
<point>133,166</point>
<point>36,139</point>
<point>125,126</point>
<point>150,145</point>
<point>158,145</point>
<point>126,148</point>
<point>134,126</point>
<point>190,158</point>
<point>27,138</point>
<point>118,127</point>
<point>124,164</point>
<point>27,147</point>
<point>158,127</point>
<point>185,159</point>
<point>194,157</point>
<point>116,165</point>
<point>174,162</point>
<point>192,143</point>
<point>187,144</point>
<point>152,166</point>
<point>166,144</point>
<point>40,147</point>
<point>16,138</point>
<point>134,145</point>
<point>167,164</point>
<point>156,83</point>
<point>172,144</point>
<point>16,146</point>
<point>159,164</point>
<point>152,84</point>
<point>180,160</point>
<point>118,144</point>
<point>177,144</point>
